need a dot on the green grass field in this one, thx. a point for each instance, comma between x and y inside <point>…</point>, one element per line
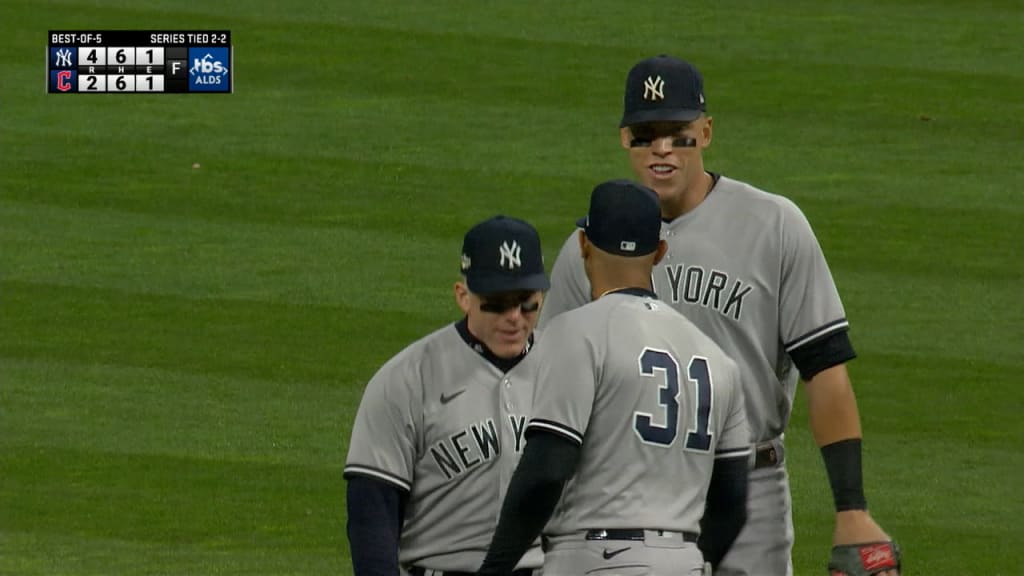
<point>183,350</point>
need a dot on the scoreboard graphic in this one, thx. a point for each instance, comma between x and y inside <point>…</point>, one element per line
<point>139,61</point>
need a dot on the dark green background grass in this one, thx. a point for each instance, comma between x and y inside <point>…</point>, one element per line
<point>183,350</point>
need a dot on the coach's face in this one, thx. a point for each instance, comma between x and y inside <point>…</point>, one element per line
<point>668,158</point>
<point>503,321</point>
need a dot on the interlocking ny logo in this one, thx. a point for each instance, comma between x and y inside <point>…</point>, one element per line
<point>63,58</point>
<point>654,88</point>
<point>510,254</point>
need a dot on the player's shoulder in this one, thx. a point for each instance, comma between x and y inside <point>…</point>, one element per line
<point>743,197</point>
<point>411,360</point>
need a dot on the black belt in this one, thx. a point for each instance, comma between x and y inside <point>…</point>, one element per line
<point>631,534</point>
<point>766,456</point>
<point>418,571</point>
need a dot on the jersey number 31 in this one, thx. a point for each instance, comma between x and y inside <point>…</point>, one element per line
<point>698,438</point>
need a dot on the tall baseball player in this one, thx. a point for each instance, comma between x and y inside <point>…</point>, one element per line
<point>746,268</point>
<point>640,409</point>
<point>440,427</point>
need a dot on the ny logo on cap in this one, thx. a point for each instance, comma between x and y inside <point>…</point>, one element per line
<point>654,89</point>
<point>509,253</point>
<point>466,262</point>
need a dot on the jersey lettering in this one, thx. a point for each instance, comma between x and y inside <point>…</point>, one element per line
<point>688,285</point>
<point>698,437</point>
<point>652,360</point>
<point>474,444</point>
<point>518,427</point>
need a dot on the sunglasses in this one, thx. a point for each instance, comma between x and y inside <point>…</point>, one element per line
<point>645,134</point>
<point>501,305</point>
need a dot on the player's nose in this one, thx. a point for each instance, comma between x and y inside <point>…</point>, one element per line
<point>662,146</point>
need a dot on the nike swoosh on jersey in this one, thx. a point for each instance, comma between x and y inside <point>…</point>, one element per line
<point>609,554</point>
<point>448,398</point>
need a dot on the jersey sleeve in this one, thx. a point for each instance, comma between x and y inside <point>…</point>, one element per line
<point>564,393</point>
<point>384,436</point>
<point>734,441</point>
<point>809,304</point>
<point>570,287</point>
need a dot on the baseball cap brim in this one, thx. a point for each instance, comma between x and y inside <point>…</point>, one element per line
<point>492,283</point>
<point>659,115</point>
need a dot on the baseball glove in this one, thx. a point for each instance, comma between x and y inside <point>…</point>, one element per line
<point>864,559</point>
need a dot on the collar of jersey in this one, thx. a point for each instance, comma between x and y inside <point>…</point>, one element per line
<point>632,291</point>
<point>503,364</point>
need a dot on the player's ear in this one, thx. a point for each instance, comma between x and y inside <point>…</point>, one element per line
<point>462,297</point>
<point>625,136</point>
<point>660,252</point>
<point>706,131</point>
<point>584,244</point>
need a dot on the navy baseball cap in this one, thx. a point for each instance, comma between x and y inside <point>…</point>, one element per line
<point>624,218</point>
<point>502,254</point>
<point>662,89</point>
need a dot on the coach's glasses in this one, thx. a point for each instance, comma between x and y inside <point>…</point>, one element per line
<point>504,303</point>
<point>645,134</point>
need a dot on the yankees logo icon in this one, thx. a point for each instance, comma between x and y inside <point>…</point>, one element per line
<point>654,88</point>
<point>510,255</point>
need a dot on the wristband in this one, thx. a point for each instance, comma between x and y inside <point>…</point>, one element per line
<point>843,464</point>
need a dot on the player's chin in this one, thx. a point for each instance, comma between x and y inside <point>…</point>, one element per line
<point>508,345</point>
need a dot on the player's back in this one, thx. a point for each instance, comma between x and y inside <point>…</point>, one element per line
<point>665,401</point>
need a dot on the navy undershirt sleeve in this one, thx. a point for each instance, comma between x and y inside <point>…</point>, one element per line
<point>375,512</point>
<point>548,460</point>
<point>725,511</point>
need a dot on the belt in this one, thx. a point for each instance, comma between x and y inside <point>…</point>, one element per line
<point>419,571</point>
<point>633,534</point>
<point>766,455</point>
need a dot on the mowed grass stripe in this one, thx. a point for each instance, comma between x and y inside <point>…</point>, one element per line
<point>58,555</point>
<point>177,413</point>
<point>241,339</point>
<point>318,267</point>
<point>172,501</point>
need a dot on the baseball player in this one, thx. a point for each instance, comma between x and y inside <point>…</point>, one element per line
<point>746,268</point>
<point>636,413</point>
<point>440,427</point>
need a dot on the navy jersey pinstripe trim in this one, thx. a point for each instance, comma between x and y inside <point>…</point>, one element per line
<point>556,427</point>
<point>743,452</point>
<point>813,335</point>
<point>396,481</point>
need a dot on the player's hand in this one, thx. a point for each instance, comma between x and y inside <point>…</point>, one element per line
<point>858,527</point>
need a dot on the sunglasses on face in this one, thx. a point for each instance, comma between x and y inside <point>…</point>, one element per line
<point>501,305</point>
<point>645,134</point>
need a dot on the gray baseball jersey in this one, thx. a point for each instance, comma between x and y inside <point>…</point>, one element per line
<point>442,423</point>
<point>746,268</point>
<point>652,401</point>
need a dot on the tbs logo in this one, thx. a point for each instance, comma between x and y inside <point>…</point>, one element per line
<point>208,73</point>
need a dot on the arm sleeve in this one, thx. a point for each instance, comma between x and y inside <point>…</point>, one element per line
<point>726,509</point>
<point>828,351</point>
<point>563,397</point>
<point>809,305</point>
<point>570,287</point>
<point>548,461</point>
<point>375,512</point>
<point>384,439</point>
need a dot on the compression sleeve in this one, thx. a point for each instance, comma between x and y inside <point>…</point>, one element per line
<point>726,509</point>
<point>548,460</point>
<point>375,512</point>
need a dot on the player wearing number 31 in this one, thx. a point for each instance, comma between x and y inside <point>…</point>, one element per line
<point>638,418</point>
